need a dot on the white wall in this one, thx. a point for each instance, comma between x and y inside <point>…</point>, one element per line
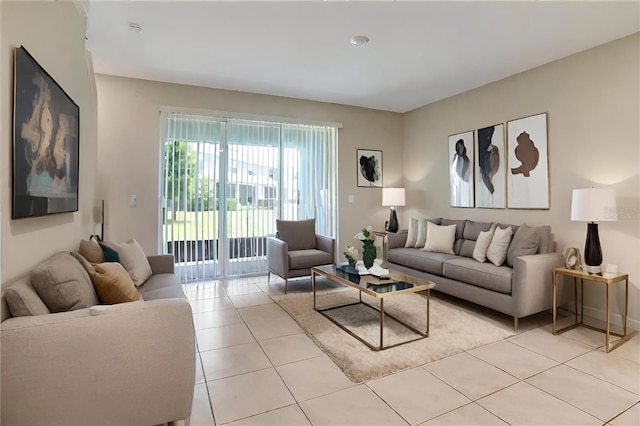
<point>54,33</point>
<point>592,100</point>
<point>129,150</point>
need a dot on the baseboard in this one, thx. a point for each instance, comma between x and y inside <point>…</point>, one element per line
<point>600,314</point>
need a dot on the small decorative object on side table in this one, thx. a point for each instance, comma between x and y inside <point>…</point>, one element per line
<point>608,279</point>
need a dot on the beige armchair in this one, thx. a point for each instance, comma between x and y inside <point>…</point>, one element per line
<point>297,248</point>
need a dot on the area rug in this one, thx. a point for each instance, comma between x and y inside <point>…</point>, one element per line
<point>452,329</point>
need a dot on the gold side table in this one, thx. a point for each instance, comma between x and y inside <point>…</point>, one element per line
<point>608,280</point>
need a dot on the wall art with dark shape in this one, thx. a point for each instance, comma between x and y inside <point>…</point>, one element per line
<point>46,127</point>
<point>528,167</point>
<point>461,174</point>
<point>490,167</point>
<point>369,166</point>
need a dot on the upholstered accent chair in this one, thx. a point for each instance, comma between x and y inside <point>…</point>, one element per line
<point>296,248</point>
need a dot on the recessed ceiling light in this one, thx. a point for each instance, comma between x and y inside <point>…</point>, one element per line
<point>359,40</point>
<point>134,26</point>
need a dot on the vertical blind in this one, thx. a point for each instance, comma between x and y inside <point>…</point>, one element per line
<point>225,181</point>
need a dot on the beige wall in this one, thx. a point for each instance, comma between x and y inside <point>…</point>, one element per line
<point>129,150</point>
<point>54,33</point>
<point>592,101</point>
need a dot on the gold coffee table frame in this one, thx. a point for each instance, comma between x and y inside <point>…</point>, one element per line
<point>332,273</point>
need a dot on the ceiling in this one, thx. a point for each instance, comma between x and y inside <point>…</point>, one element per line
<point>419,52</point>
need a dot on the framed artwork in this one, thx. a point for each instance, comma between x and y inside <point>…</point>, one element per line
<point>369,168</point>
<point>461,169</point>
<point>527,162</point>
<point>46,127</point>
<point>490,168</point>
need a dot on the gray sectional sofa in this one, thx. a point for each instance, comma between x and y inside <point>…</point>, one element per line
<point>128,363</point>
<point>518,289</point>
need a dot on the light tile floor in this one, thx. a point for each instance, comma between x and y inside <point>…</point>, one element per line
<point>255,366</point>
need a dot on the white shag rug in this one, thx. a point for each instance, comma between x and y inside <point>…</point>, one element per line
<point>452,329</point>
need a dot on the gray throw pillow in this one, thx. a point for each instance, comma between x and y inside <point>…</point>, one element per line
<point>525,242</point>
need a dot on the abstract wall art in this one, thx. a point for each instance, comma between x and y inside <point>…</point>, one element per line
<point>490,168</point>
<point>461,175</point>
<point>46,127</point>
<point>527,163</point>
<point>369,166</point>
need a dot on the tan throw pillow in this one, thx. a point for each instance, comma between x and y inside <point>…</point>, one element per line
<point>92,251</point>
<point>482,244</point>
<point>113,283</point>
<point>497,251</point>
<point>412,234</point>
<point>133,259</point>
<point>440,239</point>
<point>63,284</point>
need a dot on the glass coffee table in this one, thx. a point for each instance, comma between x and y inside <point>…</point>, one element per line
<point>379,288</point>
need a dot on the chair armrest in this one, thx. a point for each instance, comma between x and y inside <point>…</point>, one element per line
<point>161,264</point>
<point>532,286</point>
<point>326,244</point>
<point>397,240</point>
<point>132,363</point>
<point>278,256</point>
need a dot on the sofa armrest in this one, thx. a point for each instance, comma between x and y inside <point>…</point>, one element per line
<point>326,244</point>
<point>397,240</point>
<point>278,256</point>
<point>532,286</point>
<point>161,264</point>
<point>132,363</point>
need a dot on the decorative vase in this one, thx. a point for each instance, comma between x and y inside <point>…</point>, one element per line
<point>352,263</point>
<point>368,254</point>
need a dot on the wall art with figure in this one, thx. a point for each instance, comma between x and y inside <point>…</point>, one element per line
<point>45,142</point>
<point>461,179</point>
<point>527,163</point>
<point>490,167</point>
<point>369,166</point>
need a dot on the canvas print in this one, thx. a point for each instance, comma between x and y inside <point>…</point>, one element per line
<point>460,161</point>
<point>45,142</point>
<point>490,167</point>
<point>527,166</point>
<point>369,168</point>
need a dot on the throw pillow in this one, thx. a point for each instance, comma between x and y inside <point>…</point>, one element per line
<point>422,233</point>
<point>133,259</point>
<point>440,238</point>
<point>110,255</point>
<point>497,251</point>
<point>92,251</point>
<point>63,284</point>
<point>113,283</point>
<point>525,242</point>
<point>412,233</point>
<point>482,244</point>
<point>23,300</point>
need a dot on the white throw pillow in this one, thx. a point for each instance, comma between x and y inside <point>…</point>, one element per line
<point>482,244</point>
<point>422,233</point>
<point>133,259</point>
<point>440,238</point>
<point>497,251</point>
<point>412,235</point>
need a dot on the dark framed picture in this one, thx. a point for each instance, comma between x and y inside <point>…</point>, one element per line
<point>369,168</point>
<point>46,127</point>
<point>490,168</point>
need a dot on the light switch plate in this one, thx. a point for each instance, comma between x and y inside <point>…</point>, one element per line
<point>132,200</point>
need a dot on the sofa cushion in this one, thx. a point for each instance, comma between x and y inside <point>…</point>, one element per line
<point>497,251</point>
<point>525,241</point>
<point>472,229</point>
<point>419,260</point>
<point>162,286</point>
<point>298,234</point>
<point>113,283</point>
<point>546,242</point>
<point>459,226</point>
<point>92,251</point>
<point>302,259</point>
<point>485,275</point>
<point>63,284</point>
<point>440,239</point>
<point>23,300</point>
<point>133,259</point>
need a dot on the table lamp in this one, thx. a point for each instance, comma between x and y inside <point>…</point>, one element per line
<point>393,197</point>
<point>593,205</point>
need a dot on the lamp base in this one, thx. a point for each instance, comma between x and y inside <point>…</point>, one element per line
<point>393,221</point>
<point>592,250</point>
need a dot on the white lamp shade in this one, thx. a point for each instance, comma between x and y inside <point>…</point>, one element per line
<point>594,205</point>
<point>393,197</point>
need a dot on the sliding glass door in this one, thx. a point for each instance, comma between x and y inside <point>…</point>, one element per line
<point>225,181</point>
